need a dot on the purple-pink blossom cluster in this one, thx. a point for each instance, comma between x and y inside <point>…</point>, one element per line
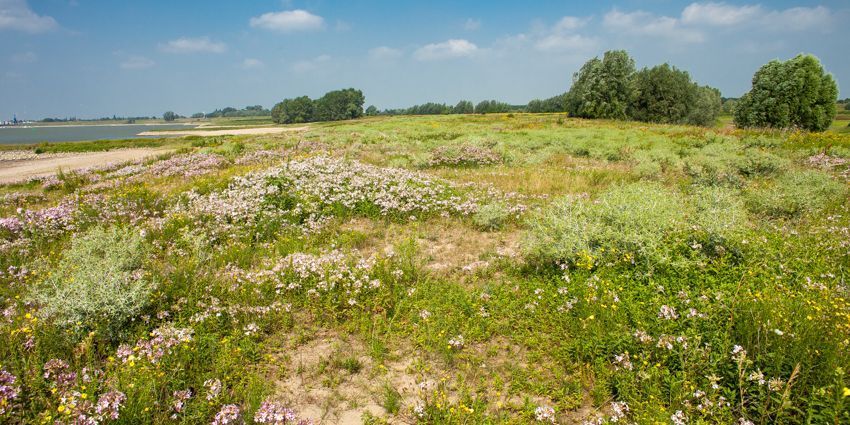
<point>163,340</point>
<point>188,165</point>
<point>276,414</point>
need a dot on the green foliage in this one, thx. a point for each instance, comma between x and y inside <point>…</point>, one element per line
<point>794,194</point>
<point>371,111</point>
<point>492,107</point>
<point>640,223</point>
<point>294,111</point>
<point>339,105</point>
<point>662,94</point>
<point>99,283</point>
<point>169,116</point>
<point>795,93</point>
<point>491,217</point>
<point>706,106</point>
<point>602,88</point>
<point>335,105</point>
<point>463,107</point>
<point>552,104</point>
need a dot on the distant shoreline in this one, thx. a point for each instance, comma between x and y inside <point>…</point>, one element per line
<point>95,125</point>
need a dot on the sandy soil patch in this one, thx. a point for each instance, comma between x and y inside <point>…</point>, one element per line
<point>18,169</point>
<point>232,132</point>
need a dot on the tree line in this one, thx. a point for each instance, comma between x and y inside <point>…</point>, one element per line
<point>333,106</point>
<point>462,107</point>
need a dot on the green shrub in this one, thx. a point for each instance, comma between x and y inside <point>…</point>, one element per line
<point>643,223</point>
<point>491,217</point>
<point>794,194</point>
<point>757,163</point>
<point>99,282</point>
<point>626,223</point>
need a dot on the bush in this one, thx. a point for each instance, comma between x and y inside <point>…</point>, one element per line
<point>641,223</point>
<point>491,217</point>
<point>794,194</point>
<point>99,283</point>
<point>758,163</point>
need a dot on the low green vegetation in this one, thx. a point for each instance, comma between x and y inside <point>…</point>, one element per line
<point>464,268</point>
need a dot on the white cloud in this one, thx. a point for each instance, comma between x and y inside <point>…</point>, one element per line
<point>719,14</point>
<point>565,42</point>
<point>472,24</point>
<point>647,24</point>
<point>569,23</point>
<point>384,53</point>
<point>16,15</point>
<point>137,62</point>
<point>797,19</point>
<point>455,48</point>
<point>193,45</point>
<point>251,63</point>
<point>308,65</point>
<point>288,21</point>
<point>24,57</point>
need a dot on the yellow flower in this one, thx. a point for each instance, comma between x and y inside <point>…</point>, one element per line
<point>61,408</point>
<point>846,392</point>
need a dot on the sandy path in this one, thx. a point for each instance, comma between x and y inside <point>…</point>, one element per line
<point>13,171</point>
<point>232,132</point>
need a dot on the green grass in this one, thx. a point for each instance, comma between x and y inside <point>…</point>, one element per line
<point>610,262</point>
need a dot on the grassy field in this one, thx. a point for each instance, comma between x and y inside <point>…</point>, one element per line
<point>518,268</point>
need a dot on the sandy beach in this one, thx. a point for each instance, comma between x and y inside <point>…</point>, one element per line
<point>226,132</point>
<point>16,167</point>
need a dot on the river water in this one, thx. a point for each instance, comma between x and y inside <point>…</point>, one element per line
<point>74,133</point>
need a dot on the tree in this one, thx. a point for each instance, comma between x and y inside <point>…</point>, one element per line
<point>492,107</point>
<point>169,116</point>
<point>662,94</point>
<point>463,107</point>
<point>706,106</point>
<point>294,111</point>
<point>198,115</point>
<point>602,88</point>
<point>552,104</point>
<point>794,93</point>
<point>340,105</point>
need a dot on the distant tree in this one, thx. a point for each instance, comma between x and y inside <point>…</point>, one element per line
<point>371,111</point>
<point>169,116</point>
<point>552,104</point>
<point>602,88</point>
<point>293,111</point>
<point>662,94</point>
<point>340,105</point>
<point>706,106</point>
<point>794,93</point>
<point>463,107</point>
<point>728,105</point>
<point>847,106</point>
<point>492,107</point>
<point>198,115</point>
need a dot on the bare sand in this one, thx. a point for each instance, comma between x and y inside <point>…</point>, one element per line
<point>15,170</point>
<point>230,132</point>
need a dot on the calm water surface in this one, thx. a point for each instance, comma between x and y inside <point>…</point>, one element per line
<point>61,133</point>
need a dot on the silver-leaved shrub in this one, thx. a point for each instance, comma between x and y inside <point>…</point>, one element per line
<point>98,284</point>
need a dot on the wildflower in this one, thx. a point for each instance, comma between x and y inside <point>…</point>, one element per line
<point>251,329</point>
<point>679,418</point>
<point>757,376</point>
<point>213,387</point>
<point>744,421</point>
<point>456,342</point>
<point>545,414</point>
<point>846,392</point>
<point>739,354</point>
<point>619,409</point>
<point>668,313</point>
<point>775,384</point>
<point>274,414</point>
<point>424,314</point>
<point>623,361</point>
<point>179,403</point>
<point>8,390</point>
<point>229,414</point>
<point>419,410</point>
<point>109,403</point>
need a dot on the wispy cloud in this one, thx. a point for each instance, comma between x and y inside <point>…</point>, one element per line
<point>720,14</point>
<point>308,65</point>
<point>454,48</point>
<point>472,24</point>
<point>288,21</point>
<point>16,15</point>
<point>193,45</point>
<point>24,57</point>
<point>647,24</point>
<point>384,53</point>
<point>251,63</point>
<point>563,36</point>
<point>137,62</point>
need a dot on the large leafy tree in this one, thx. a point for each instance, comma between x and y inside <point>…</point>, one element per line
<point>463,107</point>
<point>667,94</point>
<point>794,93</point>
<point>340,105</point>
<point>602,87</point>
<point>291,111</point>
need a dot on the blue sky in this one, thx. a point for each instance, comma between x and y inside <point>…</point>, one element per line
<point>91,58</point>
